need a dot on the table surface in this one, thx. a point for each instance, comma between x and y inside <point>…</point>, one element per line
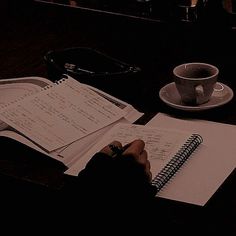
<point>29,31</point>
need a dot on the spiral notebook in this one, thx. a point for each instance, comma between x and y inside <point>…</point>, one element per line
<point>14,89</point>
<point>209,167</point>
<point>168,149</point>
<point>60,114</point>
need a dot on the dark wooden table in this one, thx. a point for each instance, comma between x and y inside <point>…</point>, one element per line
<point>29,30</point>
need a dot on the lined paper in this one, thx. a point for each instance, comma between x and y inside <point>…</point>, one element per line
<point>60,114</point>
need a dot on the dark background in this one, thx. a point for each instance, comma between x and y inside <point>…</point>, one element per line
<point>155,47</point>
<point>28,30</point>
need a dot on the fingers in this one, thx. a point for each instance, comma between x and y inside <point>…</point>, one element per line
<point>134,149</point>
<point>147,167</point>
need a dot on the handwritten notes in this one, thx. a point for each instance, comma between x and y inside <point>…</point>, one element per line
<point>60,114</point>
<point>12,92</point>
<point>161,144</point>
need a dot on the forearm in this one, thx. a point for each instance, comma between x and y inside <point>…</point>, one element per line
<point>115,177</point>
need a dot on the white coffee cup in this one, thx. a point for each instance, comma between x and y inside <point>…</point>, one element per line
<point>195,82</point>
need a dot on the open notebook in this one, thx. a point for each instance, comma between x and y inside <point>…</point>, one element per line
<point>182,169</point>
<point>198,170</point>
<point>168,149</point>
<point>20,125</point>
<point>210,164</point>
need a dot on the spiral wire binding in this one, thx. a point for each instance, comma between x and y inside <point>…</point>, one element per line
<point>56,82</point>
<point>177,161</point>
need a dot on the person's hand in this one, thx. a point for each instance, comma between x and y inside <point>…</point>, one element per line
<point>134,149</point>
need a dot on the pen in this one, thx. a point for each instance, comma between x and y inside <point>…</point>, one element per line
<point>118,150</point>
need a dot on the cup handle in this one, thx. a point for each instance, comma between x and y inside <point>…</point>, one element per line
<point>199,91</point>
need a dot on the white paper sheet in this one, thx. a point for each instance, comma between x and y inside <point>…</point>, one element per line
<point>161,144</point>
<point>209,166</point>
<point>61,114</point>
<point>72,152</point>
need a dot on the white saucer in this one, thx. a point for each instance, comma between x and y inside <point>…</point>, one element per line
<point>221,95</point>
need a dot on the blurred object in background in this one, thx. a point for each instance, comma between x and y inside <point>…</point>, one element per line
<point>87,65</point>
<point>230,6</point>
<point>230,9</point>
<point>144,7</point>
<point>154,10</point>
<point>190,10</point>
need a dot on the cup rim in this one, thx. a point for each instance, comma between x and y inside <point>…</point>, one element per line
<point>195,63</point>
